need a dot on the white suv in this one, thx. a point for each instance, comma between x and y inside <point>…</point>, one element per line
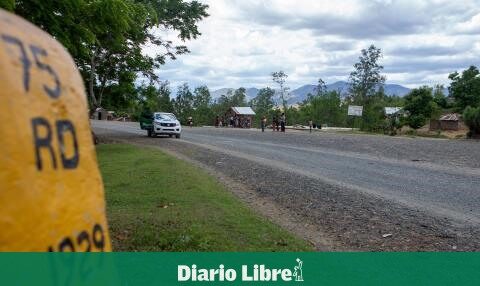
<point>166,124</point>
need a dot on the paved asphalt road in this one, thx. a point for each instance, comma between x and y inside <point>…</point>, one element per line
<point>446,190</point>
<point>409,179</point>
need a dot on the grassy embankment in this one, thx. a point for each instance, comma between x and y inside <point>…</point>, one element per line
<point>158,203</point>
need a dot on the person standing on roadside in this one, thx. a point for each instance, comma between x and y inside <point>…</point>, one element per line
<point>190,121</point>
<point>274,123</point>
<point>283,120</point>
<point>263,123</point>
<point>310,124</point>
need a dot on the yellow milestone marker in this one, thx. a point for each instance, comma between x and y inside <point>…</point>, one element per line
<point>51,192</point>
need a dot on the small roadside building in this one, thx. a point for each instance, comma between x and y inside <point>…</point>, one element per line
<point>240,117</point>
<point>100,114</point>
<point>449,121</point>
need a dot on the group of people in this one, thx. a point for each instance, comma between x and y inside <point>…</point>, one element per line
<point>278,124</point>
<point>233,122</point>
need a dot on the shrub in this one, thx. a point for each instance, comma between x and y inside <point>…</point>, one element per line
<point>416,121</point>
<point>373,119</point>
<point>471,116</point>
<point>420,106</point>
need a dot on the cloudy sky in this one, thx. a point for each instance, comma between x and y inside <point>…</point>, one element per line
<point>243,41</point>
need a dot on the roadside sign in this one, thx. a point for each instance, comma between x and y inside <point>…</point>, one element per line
<point>392,110</point>
<point>354,110</point>
<point>51,191</point>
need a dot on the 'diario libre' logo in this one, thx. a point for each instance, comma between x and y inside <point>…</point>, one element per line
<point>246,274</point>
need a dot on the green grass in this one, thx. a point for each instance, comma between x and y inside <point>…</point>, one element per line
<point>158,203</point>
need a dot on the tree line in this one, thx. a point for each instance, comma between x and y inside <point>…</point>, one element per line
<point>323,107</point>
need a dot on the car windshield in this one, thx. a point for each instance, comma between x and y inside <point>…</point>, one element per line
<point>160,116</point>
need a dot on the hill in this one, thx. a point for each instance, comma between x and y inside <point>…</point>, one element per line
<point>300,94</point>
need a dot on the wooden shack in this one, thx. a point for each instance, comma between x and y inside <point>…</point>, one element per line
<point>446,122</point>
<point>240,117</point>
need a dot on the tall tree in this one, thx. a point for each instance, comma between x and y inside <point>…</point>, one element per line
<point>239,97</point>
<point>154,99</point>
<point>164,103</point>
<point>280,78</point>
<point>321,87</point>
<point>121,95</point>
<point>366,78</point>
<point>325,108</point>
<point>223,103</point>
<point>202,105</point>
<point>105,37</point>
<point>183,103</point>
<point>263,103</point>
<point>147,98</point>
<point>202,97</point>
<point>439,96</point>
<point>465,88</point>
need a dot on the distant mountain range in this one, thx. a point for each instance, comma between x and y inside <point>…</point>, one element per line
<point>251,92</point>
<point>300,94</point>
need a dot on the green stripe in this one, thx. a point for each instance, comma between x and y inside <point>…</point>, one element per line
<point>318,268</point>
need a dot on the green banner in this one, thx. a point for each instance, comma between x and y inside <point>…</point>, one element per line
<point>240,268</point>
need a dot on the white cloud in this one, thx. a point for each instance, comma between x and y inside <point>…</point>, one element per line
<point>472,26</point>
<point>242,42</point>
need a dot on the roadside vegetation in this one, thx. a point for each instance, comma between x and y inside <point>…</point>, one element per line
<point>158,203</point>
<point>327,107</point>
<point>471,116</point>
